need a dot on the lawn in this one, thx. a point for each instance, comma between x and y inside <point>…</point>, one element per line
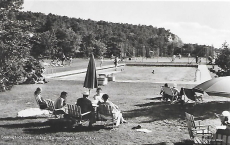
<point>137,99</point>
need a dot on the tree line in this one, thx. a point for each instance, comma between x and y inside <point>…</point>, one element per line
<point>26,37</point>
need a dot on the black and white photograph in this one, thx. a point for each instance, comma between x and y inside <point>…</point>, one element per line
<point>114,72</point>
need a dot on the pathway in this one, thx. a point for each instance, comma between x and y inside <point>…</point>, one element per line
<point>79,71</point>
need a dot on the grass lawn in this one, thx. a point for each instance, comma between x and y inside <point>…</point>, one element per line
<point>137,99</point>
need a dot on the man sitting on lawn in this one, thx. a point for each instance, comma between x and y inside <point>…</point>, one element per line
<point>86,106</point>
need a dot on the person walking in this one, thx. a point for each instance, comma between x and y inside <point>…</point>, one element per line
<point>116,62</point>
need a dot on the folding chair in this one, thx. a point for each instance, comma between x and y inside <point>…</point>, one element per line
<point>74,112</point>
<point>191,94</point>
<point>105,113</point>
<point>50,104</point>
<point>58,113</point>
<point>200,134</point>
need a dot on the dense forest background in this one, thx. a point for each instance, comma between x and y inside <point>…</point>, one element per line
<point>53,35</point>
<point>26,37</point>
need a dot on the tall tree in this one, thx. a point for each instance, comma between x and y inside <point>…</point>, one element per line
<point>14,40</point>
<point>223,59</point>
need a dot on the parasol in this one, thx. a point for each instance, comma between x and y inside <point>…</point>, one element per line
<point>216,86</point>
<point>91,75</point>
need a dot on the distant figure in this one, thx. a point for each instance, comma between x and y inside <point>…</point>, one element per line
<point>63,59</point>
<point>197,58</point>
<point>179,56</point>
<point>69,59</point>
<point>2,84</point>
<point>173,58</point>
<point>188,54</point>
<point>102,59</point>
<point>116,62</point>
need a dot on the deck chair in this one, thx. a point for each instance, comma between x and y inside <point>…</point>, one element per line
<point>200,134</point>
<point>52,109</point>
<point>169,93</point>
<point>50,104</point>
<point>74,112</point>
<point>105,113</point>
<point>191,94</point>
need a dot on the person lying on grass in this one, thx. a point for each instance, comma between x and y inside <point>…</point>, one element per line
<point>116,112</point>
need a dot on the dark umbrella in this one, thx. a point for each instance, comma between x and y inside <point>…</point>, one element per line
<point>91,75</point>
<point>216,86</point>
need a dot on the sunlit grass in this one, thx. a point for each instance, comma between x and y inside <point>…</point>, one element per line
<point>138,101</point>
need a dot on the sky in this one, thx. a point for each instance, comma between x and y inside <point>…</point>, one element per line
<point>201,22</point>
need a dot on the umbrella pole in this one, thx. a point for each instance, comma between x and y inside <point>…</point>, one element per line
<point>89,91</point>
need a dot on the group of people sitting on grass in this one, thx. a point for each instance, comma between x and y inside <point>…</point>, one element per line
<point>178,96</point>
<point>85,104</point>
<point>35,77</point>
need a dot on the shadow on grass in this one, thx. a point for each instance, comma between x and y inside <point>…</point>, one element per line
<point>25,125</point>
<point>20,118</point>
<point>185,142</point>
<point>155,98</point>
<point>161,110</point>
<point>54,129</point>
<point>51,126</point>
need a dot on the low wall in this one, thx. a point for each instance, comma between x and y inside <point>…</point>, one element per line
<point>161,64</point>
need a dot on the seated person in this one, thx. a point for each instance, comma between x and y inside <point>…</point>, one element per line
<point>165,97</point>
<point>98,97</point>
<point>86,106</point>
<point>226,120</point>
<point>60,104</point>
<point>40,101</point>
<point>116,112</point>
<point>176,92</point>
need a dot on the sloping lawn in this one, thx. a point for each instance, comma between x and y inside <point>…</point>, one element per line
<point>139,102</point>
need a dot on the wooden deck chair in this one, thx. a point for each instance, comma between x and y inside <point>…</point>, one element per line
<point>50,104</point>
<point>199,133</point>
<point>74,112</point>
<point>169,93</point>
<point>190,94</point>
<point>105,113</point>
<point>51,108</point>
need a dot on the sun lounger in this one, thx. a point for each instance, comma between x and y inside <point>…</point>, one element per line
<point>191,94</point>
